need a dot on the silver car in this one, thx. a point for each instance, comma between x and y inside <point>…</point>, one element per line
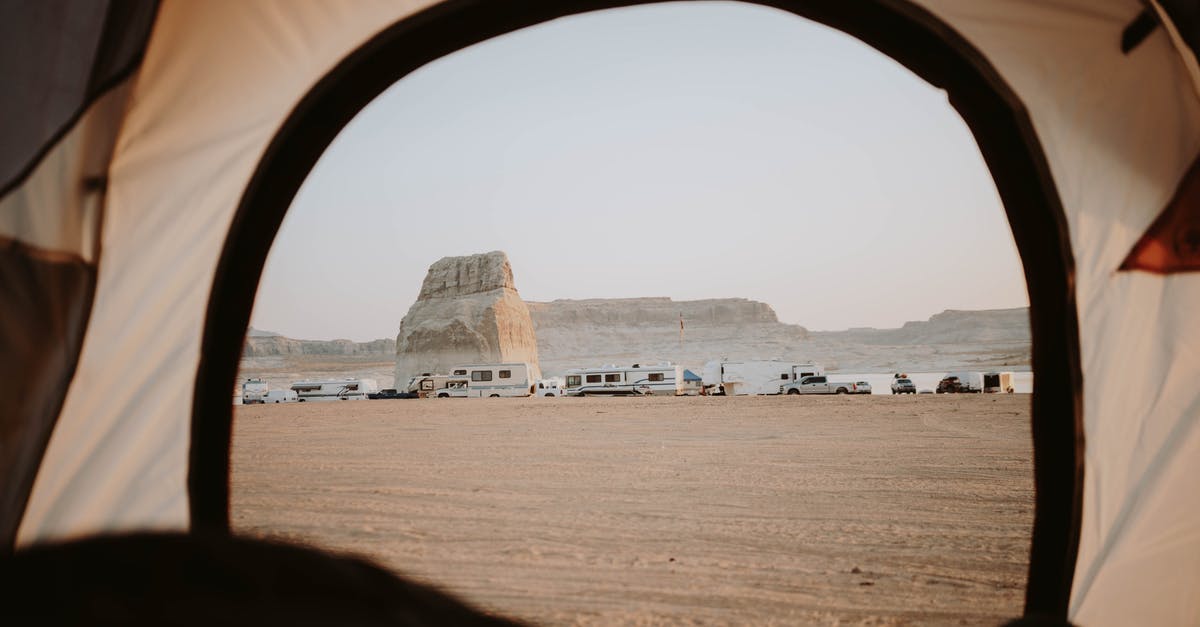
<point>903,386</point>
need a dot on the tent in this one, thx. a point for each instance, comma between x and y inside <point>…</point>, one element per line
<point>149,146</point>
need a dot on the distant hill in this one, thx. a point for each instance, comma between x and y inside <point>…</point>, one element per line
<point>273,344</point>
<point>575,333</point>
<point>991,338</point>
<point>949,327</point>
<point>593,332</point>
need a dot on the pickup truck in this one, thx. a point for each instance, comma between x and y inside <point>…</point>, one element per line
<point>386,393</point>
<point>453,389</point>
<point>818,385</point>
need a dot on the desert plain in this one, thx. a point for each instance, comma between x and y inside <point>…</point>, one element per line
<point>780,510</point>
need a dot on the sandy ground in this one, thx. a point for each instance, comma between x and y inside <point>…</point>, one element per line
<point>695,510</point>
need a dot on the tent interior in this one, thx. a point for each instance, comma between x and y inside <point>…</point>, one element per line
<point>149,146</point>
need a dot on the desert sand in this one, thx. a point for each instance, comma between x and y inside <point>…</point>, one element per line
<point>692,510</point>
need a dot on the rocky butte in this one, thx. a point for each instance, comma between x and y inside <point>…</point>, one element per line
<point>468,312</point>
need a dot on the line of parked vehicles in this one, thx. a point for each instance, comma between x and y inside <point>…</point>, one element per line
<point>720,378</point>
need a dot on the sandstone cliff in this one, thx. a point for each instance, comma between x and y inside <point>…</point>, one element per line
<point>953,339</point>
<point>468,311</point>
<point>260,344</point>
<point>574,333</point>
<point>951,327</point>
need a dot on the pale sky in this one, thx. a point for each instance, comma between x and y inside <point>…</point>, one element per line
<point>689,150</point>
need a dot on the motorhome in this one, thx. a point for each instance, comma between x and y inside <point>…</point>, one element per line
<point>740,378</point>
<point>994,382</point>
<point>454,388</point>
<point>492,380</point>
<point>664,378</point>
<point>426,383</point>
<point>333,390</point>
<point>254,391</point>
<point>280,396</point>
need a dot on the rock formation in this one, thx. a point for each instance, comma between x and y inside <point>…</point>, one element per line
<point>468,311</point>
<point>467,301</point>
<point>592,332</point>
<point>264,345</point>
<point>573,333</point>
<point>991,326</point>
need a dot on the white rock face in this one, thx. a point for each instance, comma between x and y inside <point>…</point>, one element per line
<point>468,311</point>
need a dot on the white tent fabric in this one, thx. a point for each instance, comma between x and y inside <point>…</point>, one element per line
<point>219,78</point>
<point>1119,132</point>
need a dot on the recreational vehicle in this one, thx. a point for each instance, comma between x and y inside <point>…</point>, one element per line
<point>998,382</point>
<point>426,383</point>
<point>739,378</point>
<point>491,380</point>
<point>280,396</point>
<point>664,379</point>
<point>333,390</point>
<point>454,388</point>
<point>254,391</point>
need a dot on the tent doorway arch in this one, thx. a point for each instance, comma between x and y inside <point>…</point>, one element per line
<point>905,32</point>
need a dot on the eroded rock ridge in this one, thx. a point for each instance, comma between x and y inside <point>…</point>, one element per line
<point>468,311</point>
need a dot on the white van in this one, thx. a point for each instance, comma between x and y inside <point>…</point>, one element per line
<point>254,391</point>
<point>551,387</point>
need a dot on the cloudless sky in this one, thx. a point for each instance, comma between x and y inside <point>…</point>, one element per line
<point>690,150</point>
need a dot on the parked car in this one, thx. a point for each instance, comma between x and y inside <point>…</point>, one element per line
<point>903,386</point>
<point>862,387</point>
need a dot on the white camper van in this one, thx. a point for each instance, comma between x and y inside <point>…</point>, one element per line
<point>665,378</point>
<point>739,378</point>
<point>492,380</point>
<point>333,390</point>
<point>254,391</point>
